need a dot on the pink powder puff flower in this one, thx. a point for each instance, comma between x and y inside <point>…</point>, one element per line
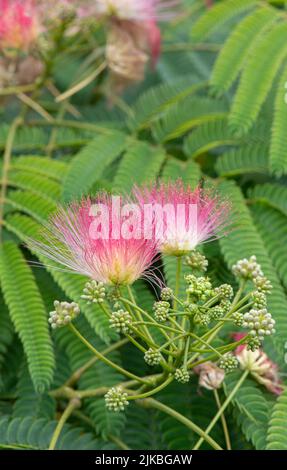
<point>260,366</point>
<point>94,239</point>
<point>18,24</point>
<point>187,218</point>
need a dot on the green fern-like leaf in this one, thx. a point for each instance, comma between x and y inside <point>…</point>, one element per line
<point>6,335</point>
<point>182,117</point>
<point>188,171</point>
<point>30,403</point>
<point>209,136</point>
<point>254,409</point>
<point>28,314</point>
<point>140,164</point>
<point>278,146</point>
<point>159,99</point>
<point>213,19</point>
<point>36,206</point>
<point>260,70</point>
<point>270,221</point>
<point>232,56</point>
<point>88,165</point>
<point>251,158</point>
<point>35,434</point>
<point>271,194</point>
<point>36,183</point>
<point>44,166</point>
<point>277,432</point>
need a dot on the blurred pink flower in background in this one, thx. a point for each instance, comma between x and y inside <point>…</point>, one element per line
<point>262,369</point>
<point>19,25</point>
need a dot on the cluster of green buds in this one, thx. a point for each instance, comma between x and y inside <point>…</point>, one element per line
<point>121,321</point>
<point>166,294</point>
<point>94,292</point>
<point>259,299</point>
<point>196,261</point>
<point>116,399</point>
<point>260,323</point>
<point>224,292</point>
<point>63,314</point>
<point>199,287</point>
<point>247,269</point>
<point>263,284</point>
<point>182,375</point>
<point>152,357</point>
<point>228,363</point>
<point>251,270</point>
<point>161,310</point>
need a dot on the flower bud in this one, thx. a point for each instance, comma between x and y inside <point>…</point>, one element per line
<point>116,399</point>
<point>225,291</point>
<point>166,294</point>
<point>228,363</point>
<point>152,357</point>
<point>196,260</point>
<point>94,292</point>
<point>260,323</point>
<point>63,314</point>
<point>182,375</point>
<point>247,269</point>
<point>121,321</point>
<point>161,310</point>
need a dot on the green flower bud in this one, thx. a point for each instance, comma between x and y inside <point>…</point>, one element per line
<point>263,284</point>
<point>196,260</point>
<point>199,287</point>
<point>94,292</point>
<point>260,323</point>
<point>247,269</point>
<point>253,343</point>
<point>116,399</point>
<point>152,357</point>
<point>216,312</point>
<point>161,310</point>
<point>166,294</point>
<point>63,314</point>
<point>237,317</point>
<point>182,375</point>
<point>259,299</point>
<point>228,363</point>
<point>225,291</point>
<point>121,321</point>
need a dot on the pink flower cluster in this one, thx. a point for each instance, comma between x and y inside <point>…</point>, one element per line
<point>19,25</point>
<point>111,246</point>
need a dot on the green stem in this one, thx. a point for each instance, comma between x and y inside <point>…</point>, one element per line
<point>205,343</point>
<point>152,403</point>
<point>103,358</point>
<point>153,391</point>
<point>223,421</point>
<point>74,403</point>
<point>6,165</point>
<point>222,408</point>
<point>79,372</point>
<point>177,281</point>
<point>147,315</point>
